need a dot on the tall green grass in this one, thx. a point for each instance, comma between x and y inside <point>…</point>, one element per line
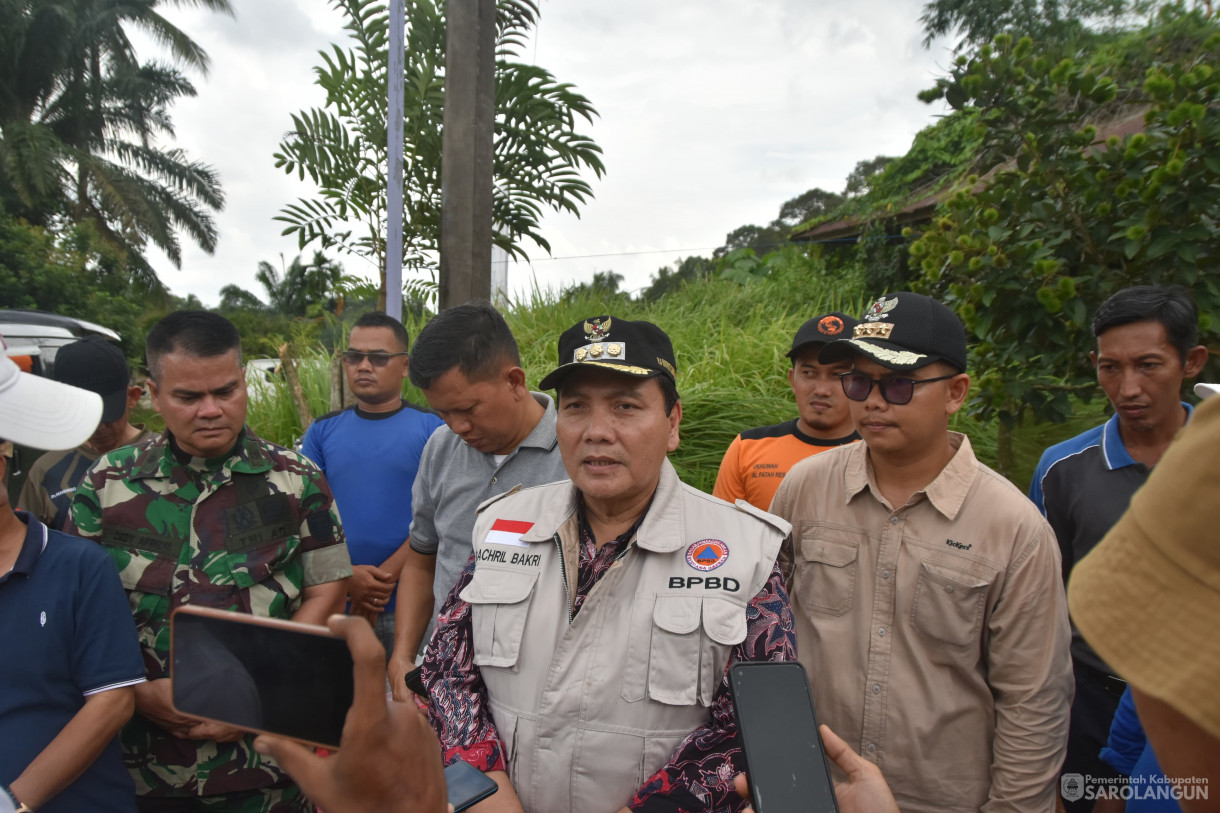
<point>730,341</point>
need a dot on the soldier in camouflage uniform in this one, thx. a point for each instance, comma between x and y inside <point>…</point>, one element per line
<point>211,515</point>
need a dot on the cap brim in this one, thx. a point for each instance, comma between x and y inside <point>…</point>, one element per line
<point>797,349</point>
<point>45,414</point>
<point>1151,620</point>
<point>1206,391</point>
<point>559,373</point>
<point>884,353</point>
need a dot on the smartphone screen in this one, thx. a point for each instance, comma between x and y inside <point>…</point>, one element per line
<point>784,757</point>
<point>467,785</point>
<point>261,674</point>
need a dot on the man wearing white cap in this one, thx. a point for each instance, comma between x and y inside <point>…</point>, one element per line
<point>71,654</point>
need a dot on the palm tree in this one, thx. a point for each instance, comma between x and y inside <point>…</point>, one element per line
<point>292,290</point>
<point>80,118</point>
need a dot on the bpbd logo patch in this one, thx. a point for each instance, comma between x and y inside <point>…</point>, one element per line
<point>707,554</point>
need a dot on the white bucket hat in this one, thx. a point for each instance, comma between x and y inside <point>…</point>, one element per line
<point>42,413</point>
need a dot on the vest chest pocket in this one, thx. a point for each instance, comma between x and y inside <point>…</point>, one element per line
<point>498,608</point>
<point>948,604</point>
<point>679,646</point>
<point>826,572</point>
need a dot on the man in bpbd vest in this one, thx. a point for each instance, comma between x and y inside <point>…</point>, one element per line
<point>581,660</point>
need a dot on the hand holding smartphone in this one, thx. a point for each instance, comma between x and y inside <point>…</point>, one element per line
<point>785,759</point>
<point>264,675</point>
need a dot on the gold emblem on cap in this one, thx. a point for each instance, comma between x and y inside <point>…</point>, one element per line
<point>580,353</point>
<point>873,330</point>
<point>595,349</point>
<point>669,367</point>
<point>615,349</point>
<point>597,328</point>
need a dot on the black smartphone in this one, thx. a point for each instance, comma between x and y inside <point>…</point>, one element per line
<point>261,674</point>
<point>466,785</point>
<point>415,682</point>
<point>785,761</point>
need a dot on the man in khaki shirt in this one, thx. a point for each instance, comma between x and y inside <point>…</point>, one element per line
<point>930,614</point>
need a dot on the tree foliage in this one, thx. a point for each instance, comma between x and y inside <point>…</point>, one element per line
<point>298,289</point>
<point>83,121</point>
<point>341,147</point>
<point>1025,254</point>
<point>978,22</point>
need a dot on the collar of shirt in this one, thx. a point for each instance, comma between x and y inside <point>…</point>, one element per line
<point>946,493</point>
<point>31,548</point>
<point>157,459</point>
<point>1112,448</point>
<point>543,434</point>
<point>659,529</point>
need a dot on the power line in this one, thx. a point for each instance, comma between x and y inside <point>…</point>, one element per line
<point>617,254</point>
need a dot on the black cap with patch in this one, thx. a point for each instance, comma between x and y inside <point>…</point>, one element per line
<point>96,364</point>
<point>904,331</point>
<point>820,330</point>
<point>639,349</point>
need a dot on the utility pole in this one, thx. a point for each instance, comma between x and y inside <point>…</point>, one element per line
<point>466,148</point>
<point>393,238</point>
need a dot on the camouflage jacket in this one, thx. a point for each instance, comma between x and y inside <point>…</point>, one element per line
<point>247,532</point>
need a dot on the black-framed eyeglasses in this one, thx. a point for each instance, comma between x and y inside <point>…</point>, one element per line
<point>377,358</point>
<point>895,389</point>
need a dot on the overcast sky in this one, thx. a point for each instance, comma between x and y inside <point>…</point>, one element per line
<point>712,114</point>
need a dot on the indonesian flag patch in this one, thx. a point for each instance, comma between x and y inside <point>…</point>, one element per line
<point>508,532</point>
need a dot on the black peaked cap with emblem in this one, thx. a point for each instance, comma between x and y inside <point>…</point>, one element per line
<point>904,331</point>
<point>828,327</point>
<point>639,349</point>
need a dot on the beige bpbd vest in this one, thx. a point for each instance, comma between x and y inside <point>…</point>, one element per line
<point>589,708</point>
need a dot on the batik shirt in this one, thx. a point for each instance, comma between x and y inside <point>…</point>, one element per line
<point>699,775</point>
<point>246,532</point>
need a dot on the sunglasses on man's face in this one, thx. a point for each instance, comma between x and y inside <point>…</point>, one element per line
<point>376,358</point>
<point>895,389</point>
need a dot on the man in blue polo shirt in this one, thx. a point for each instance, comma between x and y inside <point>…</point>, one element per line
<point>1147,345</point>
<point>370,455</point>
<point>70,649</point>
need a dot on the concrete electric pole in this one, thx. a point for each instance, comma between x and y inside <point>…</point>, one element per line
<point>466,147</point>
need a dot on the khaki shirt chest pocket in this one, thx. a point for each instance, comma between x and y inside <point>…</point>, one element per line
<point>499,604</point>
<point>679,646</point>
<point>948,604</point>
<point>826,570</point>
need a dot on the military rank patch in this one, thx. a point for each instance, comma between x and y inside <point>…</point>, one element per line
<point>707,554</point>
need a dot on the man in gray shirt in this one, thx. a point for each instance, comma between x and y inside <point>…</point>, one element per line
<point>498,435</point>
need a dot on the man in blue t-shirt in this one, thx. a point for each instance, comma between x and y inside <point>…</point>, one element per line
<point>70,650</point>
<point>1147,345</point>
<point>370,455</point>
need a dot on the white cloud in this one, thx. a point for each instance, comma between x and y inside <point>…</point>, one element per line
<point>713,113</point>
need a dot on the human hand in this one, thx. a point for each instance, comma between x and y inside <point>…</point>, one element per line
<point>370,588</point>
<point>389,760</point>
<point>216,732</point>
<point>154,700</point>
<point>865,790</point>
<point>396,673</point>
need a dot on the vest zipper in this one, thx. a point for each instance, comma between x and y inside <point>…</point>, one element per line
<point>563,571</point>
